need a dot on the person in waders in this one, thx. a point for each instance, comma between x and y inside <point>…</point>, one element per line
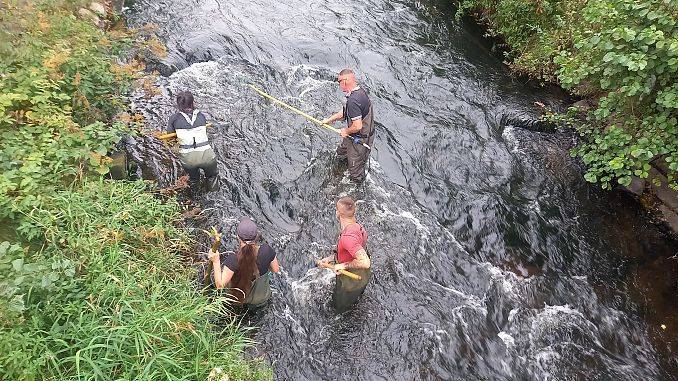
<point>246,272</point>
<point>195,152</point>
<point>358,135</point>
<point>351,254</point>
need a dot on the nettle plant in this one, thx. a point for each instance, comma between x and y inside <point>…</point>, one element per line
<point>627,53</point>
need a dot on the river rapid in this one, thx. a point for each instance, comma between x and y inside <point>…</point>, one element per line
<point>492,258</point>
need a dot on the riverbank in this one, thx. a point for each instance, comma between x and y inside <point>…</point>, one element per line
<point>93,284</point>
<point>621,57</point>
<point>561,43</point>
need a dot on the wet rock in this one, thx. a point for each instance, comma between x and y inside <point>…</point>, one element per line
<point>670,217</point>
<point>99,9</point>
<point>637,186</point>
<point>117,5</point>
<point>668,196</point>
<point>118,167</point>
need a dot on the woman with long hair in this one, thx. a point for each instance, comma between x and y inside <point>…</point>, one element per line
<point>195,152</point>
<point>246,271</point>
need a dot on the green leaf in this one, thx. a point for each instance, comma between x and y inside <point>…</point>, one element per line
<point>18,264</point>
<point>590,177</point>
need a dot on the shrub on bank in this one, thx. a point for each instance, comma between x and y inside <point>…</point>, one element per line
<point>58,83</point>
<point>96,289</point>
<point>621,53</point>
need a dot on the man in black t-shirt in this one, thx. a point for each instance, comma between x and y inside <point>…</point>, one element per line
<point>359,132</point>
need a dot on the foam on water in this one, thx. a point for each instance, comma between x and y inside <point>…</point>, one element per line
<point>510,138</point>
<point>507,339</point>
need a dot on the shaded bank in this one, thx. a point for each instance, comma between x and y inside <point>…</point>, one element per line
<point>620,55</point>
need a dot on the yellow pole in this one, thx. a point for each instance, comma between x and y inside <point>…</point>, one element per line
<point>342,272</point>
<point>296,110</point>
<point>174,134</point>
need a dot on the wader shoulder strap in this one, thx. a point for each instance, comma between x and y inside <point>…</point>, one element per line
<point>190,120</point>
<point>370,117</point>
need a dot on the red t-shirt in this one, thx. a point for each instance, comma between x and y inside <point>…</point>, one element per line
<point>352,239</point>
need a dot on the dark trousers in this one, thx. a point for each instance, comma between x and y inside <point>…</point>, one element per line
<point>357,155</point>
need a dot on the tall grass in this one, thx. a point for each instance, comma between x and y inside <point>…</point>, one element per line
<point>107,297</point>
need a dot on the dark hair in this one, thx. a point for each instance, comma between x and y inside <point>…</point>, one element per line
<point>247,266</point>
<point>346,206</point>
<point>345,71</point>
<point>185,101</point>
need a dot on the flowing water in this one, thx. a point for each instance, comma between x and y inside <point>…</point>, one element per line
<point>492,258</point>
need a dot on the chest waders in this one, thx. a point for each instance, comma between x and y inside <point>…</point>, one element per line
<point>358,146</point>
<point>260,291</point>
<point>347,291</point>
<point>195,152</point>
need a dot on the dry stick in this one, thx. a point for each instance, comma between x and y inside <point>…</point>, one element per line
<point>215,246</point>
<point>342,272</point>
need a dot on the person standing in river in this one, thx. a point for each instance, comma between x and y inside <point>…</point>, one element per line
<point>358,135</point>
<point>195,152</point>
<point>247,271</point>
<point>351,254</point>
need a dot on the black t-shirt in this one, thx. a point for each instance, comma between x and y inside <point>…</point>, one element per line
<point>357,105</point>
<point>265,256</point>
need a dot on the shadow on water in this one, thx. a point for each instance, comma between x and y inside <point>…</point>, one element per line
<point>493,259</point>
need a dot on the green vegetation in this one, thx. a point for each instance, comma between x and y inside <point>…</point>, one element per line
<point>621,53</point>
<point>107,297</point>
<point>56,88</point>
<point>95,289</point>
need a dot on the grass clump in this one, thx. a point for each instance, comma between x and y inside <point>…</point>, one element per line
<point>106,296</point>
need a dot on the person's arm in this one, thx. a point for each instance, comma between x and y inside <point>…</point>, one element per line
<point>361,261</point>
<point>334,118</point>
<point>274,266</point>
<point>170,124</point>
<point>327,260</point>
<point>221,276</point>
<point>355,126</point>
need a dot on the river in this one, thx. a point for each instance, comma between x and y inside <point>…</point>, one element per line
<point>493,259</point>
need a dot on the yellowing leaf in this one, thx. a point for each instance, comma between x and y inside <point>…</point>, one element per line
<point>56,59</point>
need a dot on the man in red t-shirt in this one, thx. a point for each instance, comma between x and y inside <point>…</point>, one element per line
<point>351,252</point>
<point>351,255</point>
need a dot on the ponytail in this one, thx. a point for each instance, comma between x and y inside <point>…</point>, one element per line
<point>247,269</point>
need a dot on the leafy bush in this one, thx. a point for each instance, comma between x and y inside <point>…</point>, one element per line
<point>107,297</point>
<point>59,80</point>
<point>624,53</point>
